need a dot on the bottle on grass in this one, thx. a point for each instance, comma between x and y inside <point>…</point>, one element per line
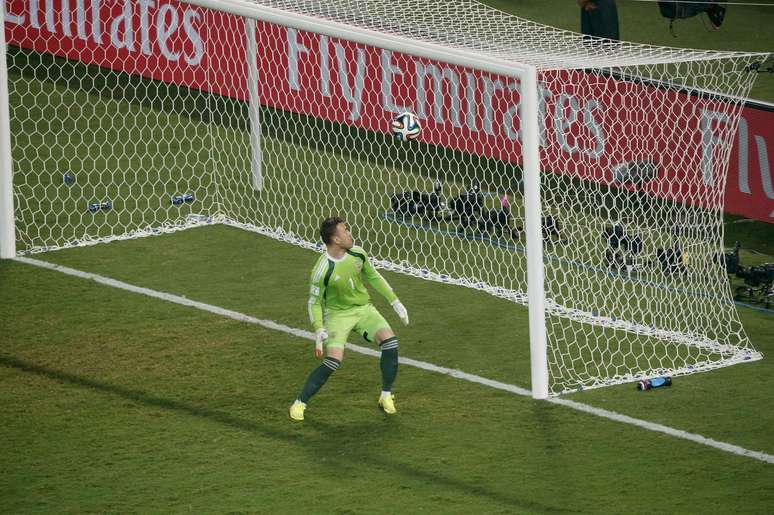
<point>656,382</point>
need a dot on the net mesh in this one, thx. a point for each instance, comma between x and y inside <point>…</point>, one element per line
<point>475,26</point>
<point>152,121</point>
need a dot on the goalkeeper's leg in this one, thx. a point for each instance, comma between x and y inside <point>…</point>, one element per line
<point>317,378</point>
<point>320,375</point>
<point>338,327</point>
<point>374,327</point>
<point>388,343</point>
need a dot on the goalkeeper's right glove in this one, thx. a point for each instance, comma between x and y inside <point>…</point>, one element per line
<point>320,336</point>
<point>401,311</point>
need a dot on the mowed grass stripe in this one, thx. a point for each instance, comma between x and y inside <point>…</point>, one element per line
<point>611,415</point>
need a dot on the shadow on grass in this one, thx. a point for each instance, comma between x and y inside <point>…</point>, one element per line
<point>379,461</point>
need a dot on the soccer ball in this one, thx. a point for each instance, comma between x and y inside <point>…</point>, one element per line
<point>405,126</point>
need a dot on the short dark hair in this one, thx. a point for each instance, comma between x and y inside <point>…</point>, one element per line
<point>328,228</point>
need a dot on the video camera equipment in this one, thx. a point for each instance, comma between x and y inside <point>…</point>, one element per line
<point>757,275</point>
<point>730,260</point>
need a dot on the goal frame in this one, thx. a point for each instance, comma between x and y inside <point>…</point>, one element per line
<point>525,74</point>
<point>7,220</point>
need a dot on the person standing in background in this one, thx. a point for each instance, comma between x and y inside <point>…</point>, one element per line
<point>599,18</point>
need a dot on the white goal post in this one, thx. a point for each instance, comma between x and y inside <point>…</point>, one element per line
<point>7,231</point>
<point>581,177</point>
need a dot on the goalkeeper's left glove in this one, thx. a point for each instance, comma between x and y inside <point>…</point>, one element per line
<point>319,338</point>
<point>400,309</point>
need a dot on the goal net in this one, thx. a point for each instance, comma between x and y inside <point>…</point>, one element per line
<point>136,118</point>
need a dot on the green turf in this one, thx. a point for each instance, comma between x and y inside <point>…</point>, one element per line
<point>116,402</point>
<point>746,28</point>
<point>187,135</point>
<point>136,163</point>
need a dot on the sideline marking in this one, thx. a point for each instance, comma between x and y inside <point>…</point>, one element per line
<point>269,324</point>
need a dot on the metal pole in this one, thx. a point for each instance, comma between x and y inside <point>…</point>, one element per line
<point>7,225</point>
<point>534,231</point>
<point>255,105</point>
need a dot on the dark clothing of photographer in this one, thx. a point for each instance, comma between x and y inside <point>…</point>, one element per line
<point>599,18</point>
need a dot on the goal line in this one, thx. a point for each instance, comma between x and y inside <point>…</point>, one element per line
<point>458,374</point>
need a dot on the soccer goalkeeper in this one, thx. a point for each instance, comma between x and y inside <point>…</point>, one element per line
<point>339,304</point>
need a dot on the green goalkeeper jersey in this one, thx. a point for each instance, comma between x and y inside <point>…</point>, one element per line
<point>337,284</point>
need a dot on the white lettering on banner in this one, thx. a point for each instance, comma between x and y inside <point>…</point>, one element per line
<point>59,18</point>
<point>34,14</point>
<point>470,100</point>
<point>123,24</point>
<point>164,30</point>
<point>562,122</point>
<point>744,182</point>
<point>352,91</point>
<point>709,140</point>
<point>353,96</point>
<point>439,77</point>
<point>763,162</point>
<point>483,95</point>
<point>80,18</point>
<point>544,94</point>
<point>96,22</point>
<point>511,114</point>
<point>145,6</point>
<point>491,87</point>
<point>189,16</point>
<point>565,115</point>
<point>15,19</point>
<point>294,48</point>
<point>594,128</point>
<point>325,67</point>
<point>64,18</point>
<point>388,70</point>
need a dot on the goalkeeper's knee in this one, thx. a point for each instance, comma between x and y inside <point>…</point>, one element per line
<point>389,343</point>
<point>332,364</point>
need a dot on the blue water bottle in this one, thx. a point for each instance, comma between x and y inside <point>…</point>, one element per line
<point>656,382</point>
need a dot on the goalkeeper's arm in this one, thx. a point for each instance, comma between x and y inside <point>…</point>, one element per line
<point>315,307</point>
<point>379,284</point>
<point>376,280</point>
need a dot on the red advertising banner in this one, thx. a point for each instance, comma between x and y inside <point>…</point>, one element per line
<point>749,190</point>
<point>593,125</point>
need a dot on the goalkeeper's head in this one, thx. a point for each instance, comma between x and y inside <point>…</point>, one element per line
<point>335,233</point>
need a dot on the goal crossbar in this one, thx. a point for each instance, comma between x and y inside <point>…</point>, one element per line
<point>602,119</point>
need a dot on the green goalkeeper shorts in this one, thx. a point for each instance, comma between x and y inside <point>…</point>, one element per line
<point>363,320</point>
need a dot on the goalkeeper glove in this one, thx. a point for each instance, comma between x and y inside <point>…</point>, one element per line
<point>320,336</point>
<point>400,309</point>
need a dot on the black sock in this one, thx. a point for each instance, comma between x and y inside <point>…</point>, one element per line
<point>389,362</point>
<point>317,378</point>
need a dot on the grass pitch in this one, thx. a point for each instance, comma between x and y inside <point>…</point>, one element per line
<point>116,402</point>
